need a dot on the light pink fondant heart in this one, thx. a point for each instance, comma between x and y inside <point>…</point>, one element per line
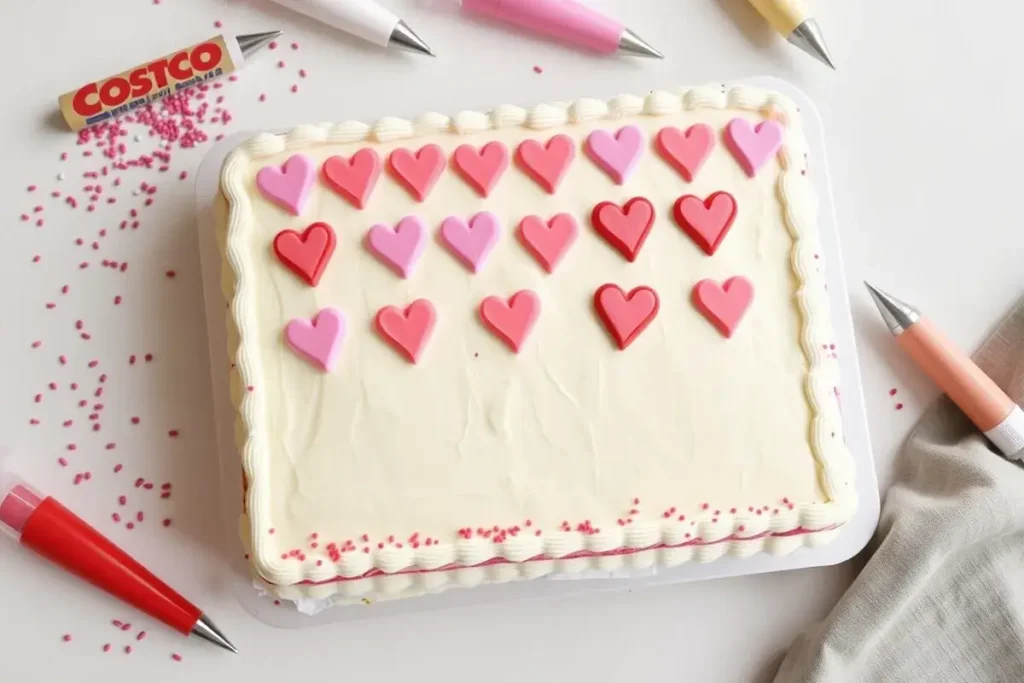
<point>473,242</point>
<point>288,186</point>
<point>318,340</point>
<point>753,146</point>
<point>686,152</point>
<point>548,242</point>
<point>547,163</point>
<point>724,305</point>
<point>399,248</point>
<point>617,155</point>
<point>481,169</point>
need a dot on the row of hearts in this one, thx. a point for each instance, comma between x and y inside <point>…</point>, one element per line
<point>617,155</point>
<point>625,228</point>
<point>624,315</point>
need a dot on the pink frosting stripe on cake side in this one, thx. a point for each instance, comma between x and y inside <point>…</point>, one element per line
<point>798,531</point>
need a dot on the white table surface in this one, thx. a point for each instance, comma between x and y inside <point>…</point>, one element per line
<point>923,141</point>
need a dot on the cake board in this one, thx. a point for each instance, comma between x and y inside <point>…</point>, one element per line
<point>851,540</point>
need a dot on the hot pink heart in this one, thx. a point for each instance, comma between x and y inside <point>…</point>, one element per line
<point>288,186</point>
<point>400,248</point>
<point>418,172</point>
<point>318,340</point>
<point>511,322</point>
<point>472,242</point>
<point>724,305</point>
<point>483,169</point>
<point>617,155</point>
<point>686,152</point>
<point>753,146</point>
<point>548,242</point>
<point>353,178</point>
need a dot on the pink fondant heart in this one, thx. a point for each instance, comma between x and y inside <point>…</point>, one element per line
<point>353,178</point>
<point>472,242</point>
<point>753,146</point>
<point>408,331</point>
<point>546,163</point>
<point>724,305</point>
<point>417,172</point>
<point>707,222</point>
<point>399,248</point>
<point>686,152</point>
<point>548,242</point>
<point>625,315</point>
<point>317,340</point>
<point>483,169</point>
<point>617,155</point>
<point>288,186</point>
<point>511,322</point>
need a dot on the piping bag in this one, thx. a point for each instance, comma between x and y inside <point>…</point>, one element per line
<point>41,524</point>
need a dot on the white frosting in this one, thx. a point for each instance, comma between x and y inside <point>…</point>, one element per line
<point>569,429</point>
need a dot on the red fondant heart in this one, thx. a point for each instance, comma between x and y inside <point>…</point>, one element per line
<point>548,242</point>
<point>306,254</point>
<point>686,152</point>
<point>706,222</point>
<point>724,305</point>
<point>625,315</point>
<point>546,163</point>
<point>511,322</point>
<point>417,172</point>
<point>353,178</point>
<point>483,169</point>
<point>624,228</point>
<point>407,331</point>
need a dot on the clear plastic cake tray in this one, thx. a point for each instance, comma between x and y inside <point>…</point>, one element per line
<point>852,538</point>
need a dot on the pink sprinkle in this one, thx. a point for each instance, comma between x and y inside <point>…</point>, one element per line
<point>262,98</point>
<point>176,657</point>
<point>217,24</point>
<point>272,45</point>
<point>538,70</point>
<point>78,479</point>
<point>899,406</point>
<point>183,175</point>
<point>117,300</point>
<point>117,518</point>
<point>122,500</point>
<point>295,46</point>
<point>106,647</point>
<point>38,398</point>
<point>170,273</point>
<point>173,433</point>
<point>63,462</point>
<point>148,486</point>
<point>72,447</point>
<point>62,359</point>
<point>65,289</point>
<point>36,344</point>
<point>53,386</point>
<point>33,421</point>
<point>148,357</point>
<point>135,420</point>
<point>139,516</point>
<point>271,531</point>
<point>141,636</point>
<point>32,188</point>
<point>280,64</point>
<point>67,637</point>
<point>130,526</point>
<point>128,648</point>
<point>295,88</point>
<point>302,73</point>
<point>167,522</point>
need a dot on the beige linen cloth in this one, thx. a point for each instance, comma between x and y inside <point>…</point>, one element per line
<point>942,596</point>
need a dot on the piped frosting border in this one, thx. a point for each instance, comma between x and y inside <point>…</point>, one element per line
<point>470,561</point>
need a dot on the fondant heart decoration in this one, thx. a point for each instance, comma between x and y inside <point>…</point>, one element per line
<point>317,340</point>
<point>685,152</point>
<point>706,221</point>
<point>625,228</point>
<point>481,169</point>
<point>546,163</point>
<point>511,322</point>
<point>417,172</point>
<point>625,315</point>
<point>471,242</point>
<point>306,254</point>
<point>289,185</point>
<point>753,146</point>
<point>353,178</point>
<point>616,155</point>
<point>407,331</point>
<point>548,242</point>
<point>400,248</point>
<point>724,305</point>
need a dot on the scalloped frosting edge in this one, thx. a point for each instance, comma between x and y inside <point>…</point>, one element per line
<point>730,534</point>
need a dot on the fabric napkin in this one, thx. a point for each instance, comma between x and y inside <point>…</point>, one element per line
<point>942,596</point>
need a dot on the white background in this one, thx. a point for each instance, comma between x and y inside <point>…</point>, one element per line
<point>924,138</point>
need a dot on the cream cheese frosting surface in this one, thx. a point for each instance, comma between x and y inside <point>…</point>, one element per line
<point>390,478</point>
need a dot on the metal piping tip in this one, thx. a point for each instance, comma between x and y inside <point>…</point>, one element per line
<point>207,630</point>
<point>807,36</point>
<point>898,316</point>
<point>632,44</point>
<point>405,38</point>
<point>250,42</point>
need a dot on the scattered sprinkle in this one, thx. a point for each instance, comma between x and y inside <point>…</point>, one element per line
<point>67,637</point>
